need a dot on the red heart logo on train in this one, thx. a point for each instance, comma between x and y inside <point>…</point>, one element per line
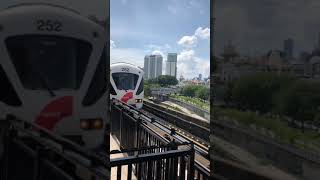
<point>54,112</point>
<point>126,97</point>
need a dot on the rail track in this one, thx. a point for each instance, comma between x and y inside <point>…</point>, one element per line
<point>160,120</point>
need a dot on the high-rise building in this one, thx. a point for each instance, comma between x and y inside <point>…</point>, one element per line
<point>288,48</point>
<point>171,66</point>
<point>152,66</point>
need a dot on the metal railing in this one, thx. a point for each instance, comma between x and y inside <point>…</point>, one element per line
<point>31,152</point>
<point>160,163</point>
<point>128,126</point>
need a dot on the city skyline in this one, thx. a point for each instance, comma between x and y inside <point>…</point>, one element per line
<point>287,47</point>
<point>259,26</point>
<point>161,27</point>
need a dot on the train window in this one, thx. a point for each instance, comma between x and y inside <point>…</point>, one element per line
<point>98,85</point>
<point>7,93</point>
<point>140,88</point>
<point>49,61</point>
<point>125,81</point>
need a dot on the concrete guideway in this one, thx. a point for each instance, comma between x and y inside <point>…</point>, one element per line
<point>184,110</point>
<point>251,161</point>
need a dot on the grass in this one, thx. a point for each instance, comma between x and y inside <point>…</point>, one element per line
<point>172,107</point>
<point>194,101</point>
<point>282,132</point>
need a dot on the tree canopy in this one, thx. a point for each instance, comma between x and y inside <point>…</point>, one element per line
<point>164,80</point>
<point>278,93</point>
<point>198,91</point>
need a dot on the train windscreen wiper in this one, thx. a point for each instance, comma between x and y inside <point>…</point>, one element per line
<point>43,80</point>
<point>46,84</point>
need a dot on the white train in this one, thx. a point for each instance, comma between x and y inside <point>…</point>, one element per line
<point>52,70</point>
<point>127,84</point>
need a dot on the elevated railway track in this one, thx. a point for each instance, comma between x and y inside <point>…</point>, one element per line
<point>158,133</point>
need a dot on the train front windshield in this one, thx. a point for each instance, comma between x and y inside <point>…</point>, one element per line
<point>56,62</point>
<point>125,81</point>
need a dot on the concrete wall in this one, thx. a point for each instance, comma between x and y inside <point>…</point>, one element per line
<point>300,163</point>
<point>180,115</point>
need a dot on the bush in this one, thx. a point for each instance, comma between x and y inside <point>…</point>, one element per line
<point>197,91</point>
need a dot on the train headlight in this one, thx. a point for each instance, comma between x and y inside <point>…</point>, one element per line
<point>97,124</point>
<point>84,124</point>
<point>90,124</point>
<point>138,100</point>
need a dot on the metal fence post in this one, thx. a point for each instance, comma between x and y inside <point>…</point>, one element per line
<point>137,132</point>
<point>191,162</point>
<point>5,153</point>
<point>36,173</point>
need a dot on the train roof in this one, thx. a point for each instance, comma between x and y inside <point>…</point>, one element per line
<point>30,4</point>
<point>126,64</point>
<point>41,3</point>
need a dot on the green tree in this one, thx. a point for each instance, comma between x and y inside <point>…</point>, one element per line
<point>198,91</point>
<point>163,80</point>
<point>301,101</point>
<point>256,92</point>
<point>148,86</point>
<point>203,93</point>
<point>147,90</point>
<point>189,90</point>
<point>166,80</point>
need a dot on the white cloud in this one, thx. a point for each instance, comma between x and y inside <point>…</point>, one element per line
<point>157,52</point>
<point>191,41</point>
<point>112,44</point>
<point>188,41</point>
<point>158,49</point>
<point>189,65</point>
<point>186,55</point>
<point>203,33</point>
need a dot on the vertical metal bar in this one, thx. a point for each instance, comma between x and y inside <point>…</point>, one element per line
<point>182,168</point>
<point>196,174</point>
<point>191,163</point>
<point>120,126</point>
<point>129,172</point>
<point>137,134</point>
<point>6,159</point>
<point>159,169</point>
<point>119,172</point>
<point>150,169</point>
<point>139,171</point>
<point>36,165</point>
<point>174,163</point>
<point>167,171</point>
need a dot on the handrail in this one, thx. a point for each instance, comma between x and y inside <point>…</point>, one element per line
<point>66,145</point>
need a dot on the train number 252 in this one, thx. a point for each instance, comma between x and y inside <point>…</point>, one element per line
<point>49,25</point>
<point>125,69</point>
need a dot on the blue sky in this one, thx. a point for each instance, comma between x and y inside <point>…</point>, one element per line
<point>141,27</point>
